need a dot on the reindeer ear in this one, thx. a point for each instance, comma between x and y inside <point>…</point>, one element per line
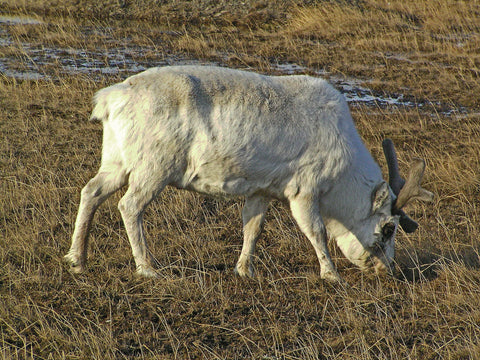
<point>380,196</point>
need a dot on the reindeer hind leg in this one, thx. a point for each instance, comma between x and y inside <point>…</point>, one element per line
<point>97,190</point>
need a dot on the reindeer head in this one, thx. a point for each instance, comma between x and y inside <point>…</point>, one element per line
<point>404,191</point>
<point>372,242</point>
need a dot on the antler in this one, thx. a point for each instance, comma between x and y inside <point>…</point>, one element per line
<point>394,179</point>
<point>405,190</point>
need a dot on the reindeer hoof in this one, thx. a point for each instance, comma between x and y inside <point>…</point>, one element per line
<point>76,265</point>
<point>146,271</point>
<point>332,276</point>
<point>244,271</point>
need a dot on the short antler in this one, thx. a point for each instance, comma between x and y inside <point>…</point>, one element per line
<point>412,188</point>
<point>395,180</point>
<point>405,190</point>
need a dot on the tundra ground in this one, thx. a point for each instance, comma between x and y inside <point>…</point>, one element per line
<point>198,309</point>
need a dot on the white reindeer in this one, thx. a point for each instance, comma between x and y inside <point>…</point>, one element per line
<point>227,132</point>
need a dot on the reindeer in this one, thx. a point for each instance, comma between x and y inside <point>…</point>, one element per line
<point>225,132</point>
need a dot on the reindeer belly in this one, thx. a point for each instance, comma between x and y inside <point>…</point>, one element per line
<point>230,178</point>
<point>226,188</point>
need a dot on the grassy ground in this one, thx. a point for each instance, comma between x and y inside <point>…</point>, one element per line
<point>427,51</point>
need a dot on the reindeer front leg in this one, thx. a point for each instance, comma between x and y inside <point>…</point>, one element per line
<point>253,218</point>
<point>306,212</point>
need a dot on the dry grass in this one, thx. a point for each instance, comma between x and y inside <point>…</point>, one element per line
<point>198,308</point>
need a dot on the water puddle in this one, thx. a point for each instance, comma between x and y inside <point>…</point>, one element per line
<point>19,20</point>
<point>38,62</point>
<point>354,90</point>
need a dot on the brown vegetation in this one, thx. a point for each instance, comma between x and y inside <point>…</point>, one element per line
<point>427,51</point>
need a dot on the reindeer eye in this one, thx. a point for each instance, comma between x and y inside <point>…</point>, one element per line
<point>388,230</point>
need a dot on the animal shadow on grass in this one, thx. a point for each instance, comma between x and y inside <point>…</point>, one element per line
<point>420,266</point>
